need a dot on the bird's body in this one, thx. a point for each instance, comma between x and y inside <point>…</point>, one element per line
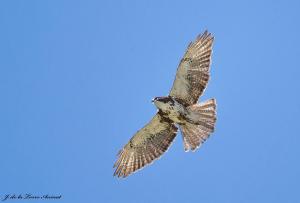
<point>180,108</point>
<point>171,109</point>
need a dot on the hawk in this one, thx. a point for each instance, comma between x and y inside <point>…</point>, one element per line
<point>195,120</point>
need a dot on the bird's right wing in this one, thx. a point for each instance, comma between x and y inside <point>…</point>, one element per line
<point>145,146</point>
<point>193,71</point>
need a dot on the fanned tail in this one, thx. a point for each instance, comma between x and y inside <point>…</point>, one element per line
<point>201,123</point>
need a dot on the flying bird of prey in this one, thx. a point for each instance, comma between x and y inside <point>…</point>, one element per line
<point>195,120</point>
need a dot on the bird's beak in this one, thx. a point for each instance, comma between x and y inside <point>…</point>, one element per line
<point>152,100</point>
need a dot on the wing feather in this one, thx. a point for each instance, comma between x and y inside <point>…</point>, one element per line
<point>193,71</point>
<point>145,146</point>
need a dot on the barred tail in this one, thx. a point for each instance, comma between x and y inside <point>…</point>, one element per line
<point>201,123</point>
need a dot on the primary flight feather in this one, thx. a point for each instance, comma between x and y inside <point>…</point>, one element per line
<point>195,120</point>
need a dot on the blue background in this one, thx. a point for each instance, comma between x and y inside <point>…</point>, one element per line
<point>77,79</point>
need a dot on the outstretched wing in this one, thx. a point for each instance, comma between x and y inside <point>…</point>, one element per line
<point>193,71</point>
<point>145,146</point>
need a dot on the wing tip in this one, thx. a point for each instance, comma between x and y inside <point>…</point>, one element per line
<point>205,35</point>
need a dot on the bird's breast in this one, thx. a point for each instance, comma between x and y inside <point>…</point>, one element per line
<point>176,113</point>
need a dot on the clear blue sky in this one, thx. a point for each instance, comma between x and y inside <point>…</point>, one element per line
<point>77,79</point>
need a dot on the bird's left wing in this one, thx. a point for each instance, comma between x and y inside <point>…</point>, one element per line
<point>145,146</point>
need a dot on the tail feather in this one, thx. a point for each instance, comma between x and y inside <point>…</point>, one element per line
<point>201,123</point>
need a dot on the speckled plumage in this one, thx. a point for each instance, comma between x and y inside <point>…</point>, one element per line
<point>196,120</point>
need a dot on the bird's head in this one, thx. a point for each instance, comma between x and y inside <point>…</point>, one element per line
<point>163,102</point>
